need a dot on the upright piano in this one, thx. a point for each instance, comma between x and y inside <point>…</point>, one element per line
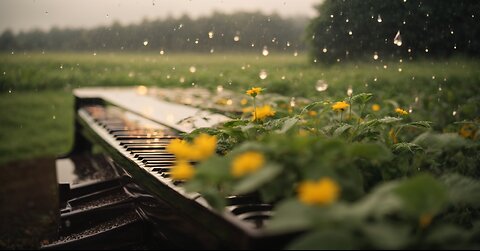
<point>115,187</point>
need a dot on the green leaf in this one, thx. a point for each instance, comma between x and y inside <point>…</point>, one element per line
<point>253,181</point>
<point>422,194</point>
<point>288,124</point>
<point>462,190</point>
<point>384,235</point>
<point>420,124</point>
<point>329,239</point>
<point>403,147</point>
<point>369,151</point>
<point>362,97</point>
<point>340,130</point>
<point>310,106</point>
<point>443,141</point>
<point>389,120</point>
<point>236,122</point>
<point>290,216</point>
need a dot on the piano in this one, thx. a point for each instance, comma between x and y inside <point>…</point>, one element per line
<point>115,189</point>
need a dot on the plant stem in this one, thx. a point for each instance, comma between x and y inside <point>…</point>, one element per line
<point>254,110</point>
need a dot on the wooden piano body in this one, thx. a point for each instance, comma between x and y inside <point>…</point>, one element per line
<point>123,132</point>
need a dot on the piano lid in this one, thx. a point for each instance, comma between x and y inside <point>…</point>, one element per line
<point>177,116</point>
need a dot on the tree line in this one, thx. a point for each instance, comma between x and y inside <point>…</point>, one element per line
<point>217,32</point>
<point>399,29</point>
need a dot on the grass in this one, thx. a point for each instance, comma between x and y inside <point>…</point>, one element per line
<point>36,106</point>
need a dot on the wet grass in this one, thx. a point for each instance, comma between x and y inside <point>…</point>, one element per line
<point>36,106</point>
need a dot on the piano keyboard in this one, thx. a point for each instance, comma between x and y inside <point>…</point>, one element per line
<point>143,142</point>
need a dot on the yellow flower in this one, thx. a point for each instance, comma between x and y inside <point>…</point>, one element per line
<point>254,91</point>
<point>375,107</point>
<point>203,146</point>
<point>246,163</point>
<point>180,148</point>
<point>244,101</point>
<point>263,112</point>
<point>247,109</point>
<point>322,192</point>
<point>425,220</point>
<point>340,106</point>
<point>182,171</point>
<point>312,113</point>
<point>467,131</point>
<point>401,111</point>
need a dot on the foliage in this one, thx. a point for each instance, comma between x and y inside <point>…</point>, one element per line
<point>356,29</point>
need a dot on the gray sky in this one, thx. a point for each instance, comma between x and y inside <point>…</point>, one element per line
<point>24,15</point>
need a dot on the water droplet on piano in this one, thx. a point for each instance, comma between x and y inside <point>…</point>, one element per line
<point>192,69</point>
<point>321,85</point>
<point>263,74</point>
<point>324,50</point>
<point>350,33</point>
<point>142,90</point>
<point>379,18</point>
<point>145,43</point>
<point>265,51</point>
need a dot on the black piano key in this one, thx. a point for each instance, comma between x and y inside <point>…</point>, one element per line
<point>151,160</point>
<point>145,136</point>
<point>153,155</point>
<point>161,169</point>
<point>244,208</point>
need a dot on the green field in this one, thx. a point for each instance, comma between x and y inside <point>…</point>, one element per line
<point>36,114</point>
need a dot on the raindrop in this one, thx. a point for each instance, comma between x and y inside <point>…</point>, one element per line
<point>346,20</point>
<point>94,54</point>
<point>399,69</point>
<point>162,52</point>
<point>283,77</point>
<point>433,77</point>
<point>168,76</point>
<point>180,26</point>
<point>426,50</point>
<point>196,41</point>
<point>4,73</point>
<point>385,66</point>
<point>295,54</point>
<point>292,102</point>
<point>182,79</point>
<point>451,32</point>
<point>439,88</point>
<point>288,44</point>
<point>193,83</point>
<point>324,50</point>
<point>265,51</point>
<point>9,90</point>
<point>243,67</point>
<point>416,99</point>
<point>236,38</point>
<point>398,39</point>
<point>192,69</point>
<point>212,50</point>
<point>145,43</point>
<point>253,45</point>
<point>229,101</point>
<point>61,66</point>
<point>274,39</point>
<point>379,18</point>
<point>131,74</point>
<point>410,109</point>
<point>263,74</point>
<point>375,56</point>
<point>455,47</point>
<point>331,16</point>
<point>210,34</point>
<point>409,50</point>
<point>349,91</point>
<point>321,85</point>
<point>375,79</point>
<point>53,117</point>
<point>454,113</point>
<point>219,88</point>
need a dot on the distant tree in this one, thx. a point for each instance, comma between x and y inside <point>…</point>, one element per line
<point>7,40</point>
<point>356,29</point>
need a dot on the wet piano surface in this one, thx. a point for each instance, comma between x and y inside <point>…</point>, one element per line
<point>132,141</point>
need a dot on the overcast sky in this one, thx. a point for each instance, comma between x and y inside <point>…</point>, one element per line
<point>24,15</point>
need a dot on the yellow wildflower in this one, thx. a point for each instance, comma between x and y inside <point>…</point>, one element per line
<point>204,146</point>
<point>263,112</point>
<point>182,171</point>
<point>425,220</point>
<point>375,107</point>
<point>180,148</point>
<point>246,163</point>
<point>340,106</point>
<point>467,131</point>
<point>322,192</point>
<point>244,101</point>
<point>401,111</point>
<point>254,91</point>
<point>312,113</point>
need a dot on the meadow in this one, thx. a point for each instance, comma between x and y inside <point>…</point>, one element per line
<point>36,105</point>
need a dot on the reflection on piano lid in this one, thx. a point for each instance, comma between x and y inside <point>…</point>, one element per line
<point>177,116</point>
